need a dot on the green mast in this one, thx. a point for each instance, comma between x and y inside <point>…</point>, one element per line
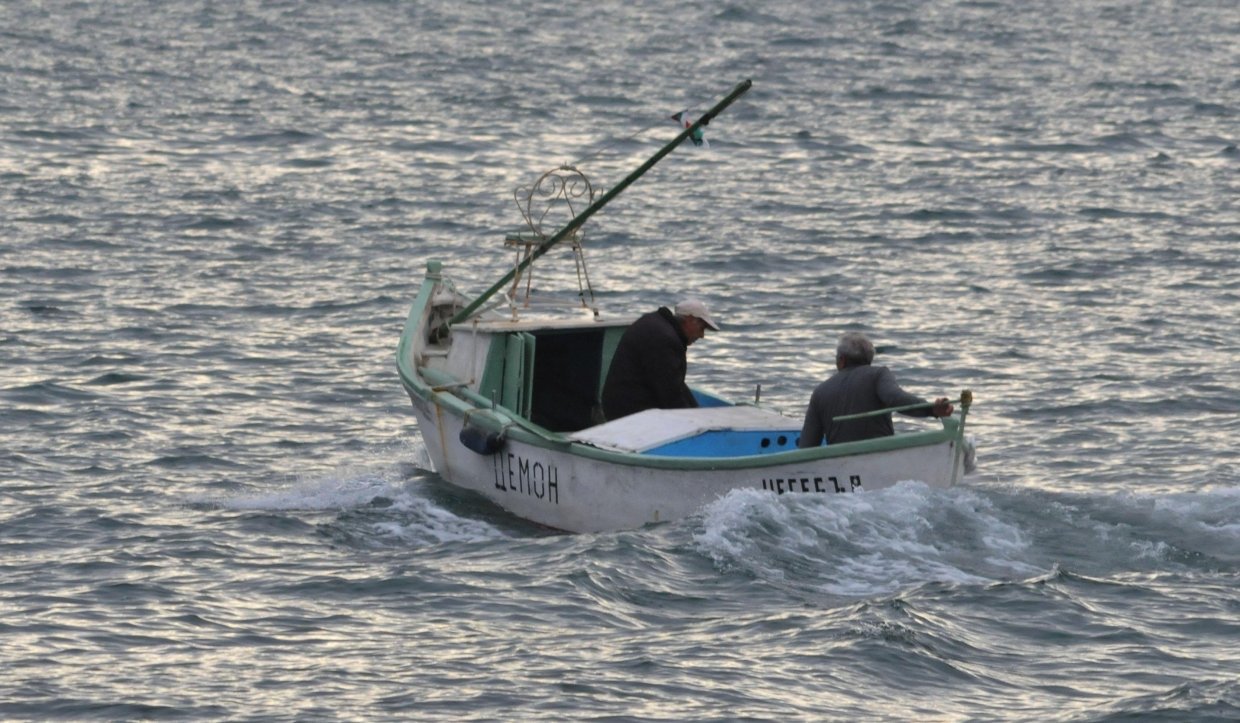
<point>581,218</point>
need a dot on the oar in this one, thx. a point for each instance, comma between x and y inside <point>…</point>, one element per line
<point>966,399</point>
<point>580,218</point>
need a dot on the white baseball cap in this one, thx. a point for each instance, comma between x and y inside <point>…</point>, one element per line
<point>694,307</point>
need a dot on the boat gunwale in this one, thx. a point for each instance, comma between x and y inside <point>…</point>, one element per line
<point>453,394</point>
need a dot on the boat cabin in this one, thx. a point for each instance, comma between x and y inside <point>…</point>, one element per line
<point>551,371</point>
<point>548,371</point>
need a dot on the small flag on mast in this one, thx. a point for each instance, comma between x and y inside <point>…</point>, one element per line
<point>684,120</point>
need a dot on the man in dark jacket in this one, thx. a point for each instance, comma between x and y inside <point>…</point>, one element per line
<point>648,368</point>
<point>855,388</point>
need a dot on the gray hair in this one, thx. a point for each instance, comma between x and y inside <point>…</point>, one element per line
<point>855,348</point>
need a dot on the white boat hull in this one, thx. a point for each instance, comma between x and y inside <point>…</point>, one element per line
<point>566,490</point>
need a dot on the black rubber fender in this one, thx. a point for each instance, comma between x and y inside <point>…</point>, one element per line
<point>481,441</point>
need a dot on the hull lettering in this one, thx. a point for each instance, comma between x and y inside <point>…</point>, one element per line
<point>814,485</point>
<point>523,476</point>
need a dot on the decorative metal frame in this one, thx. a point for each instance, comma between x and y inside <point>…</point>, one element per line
<point>555,198</point>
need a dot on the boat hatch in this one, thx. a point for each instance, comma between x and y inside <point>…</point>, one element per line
<point>731,431</point>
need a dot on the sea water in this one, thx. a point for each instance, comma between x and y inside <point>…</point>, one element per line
<point>216,504</point>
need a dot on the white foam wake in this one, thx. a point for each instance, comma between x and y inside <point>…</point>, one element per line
<point>865,544</point>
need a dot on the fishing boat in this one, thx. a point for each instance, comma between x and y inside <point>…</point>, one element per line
<point>506,397</point>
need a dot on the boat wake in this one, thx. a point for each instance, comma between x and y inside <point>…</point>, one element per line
<point>373,504</point>
<point>889,540</point>
<point>865,544</point>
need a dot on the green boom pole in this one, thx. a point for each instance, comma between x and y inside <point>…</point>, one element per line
<point>580,218</point>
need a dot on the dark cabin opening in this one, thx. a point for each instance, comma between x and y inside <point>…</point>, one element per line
<point>567,369</point>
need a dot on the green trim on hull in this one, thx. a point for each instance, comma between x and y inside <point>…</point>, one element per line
<point>460,400</point>
<point>456,398</point>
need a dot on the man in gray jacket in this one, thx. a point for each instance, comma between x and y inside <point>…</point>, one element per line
<point>859,387</point>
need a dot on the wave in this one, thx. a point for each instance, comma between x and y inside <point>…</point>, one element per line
<point>46,392</point>
<point>376,504</point>
<point>880,542</point>
<point>282,137</point>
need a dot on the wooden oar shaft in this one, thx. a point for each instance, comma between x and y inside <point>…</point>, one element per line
<point>966,398</point>
<point>888,410</point>
<point>581,218</point>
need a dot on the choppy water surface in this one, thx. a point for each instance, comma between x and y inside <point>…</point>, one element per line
<point>216,504</point>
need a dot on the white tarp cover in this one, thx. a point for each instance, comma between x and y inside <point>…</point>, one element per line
<point>657,427</point>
